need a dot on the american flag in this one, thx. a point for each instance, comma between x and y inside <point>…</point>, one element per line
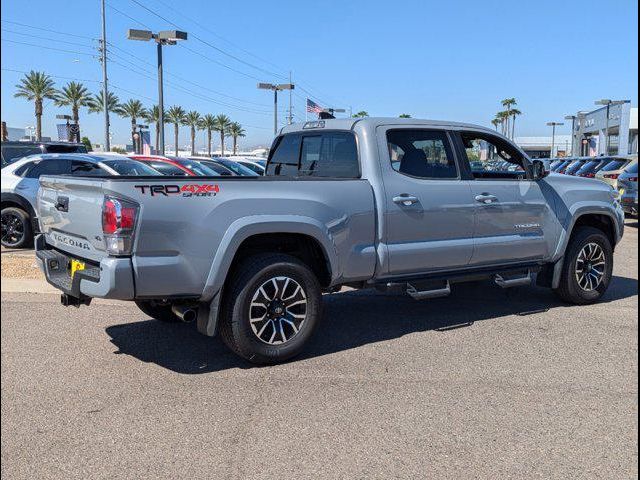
<point>313,107</point>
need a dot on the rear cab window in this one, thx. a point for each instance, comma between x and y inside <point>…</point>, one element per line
<point>329,154</point>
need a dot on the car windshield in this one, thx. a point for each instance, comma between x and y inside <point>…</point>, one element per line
<point>589,166</point>
<point>130,167</point>
<point>238,169</point>
<point>196,167</point>
<point>166,168</point>
<point>575,166</point>
<point>614,165</point>
<point>216,167</point>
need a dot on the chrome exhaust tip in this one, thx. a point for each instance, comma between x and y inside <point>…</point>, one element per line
<point>184,313</point>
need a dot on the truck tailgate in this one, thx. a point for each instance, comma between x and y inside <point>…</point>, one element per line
<point>70,215</point>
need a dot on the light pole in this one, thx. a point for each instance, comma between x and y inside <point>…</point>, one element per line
<point>105,90</point>
<point>573,119</point>
<point>608,103</point>
<point>165,37</point>
<point>276,89</point>
<point>553,135</point>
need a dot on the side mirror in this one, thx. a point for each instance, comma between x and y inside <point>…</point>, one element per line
<point>540,169</point>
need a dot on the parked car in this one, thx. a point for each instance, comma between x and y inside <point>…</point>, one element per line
<point>628,187</point>
<point>250,256</point>
<point>236,167</point>
<point>560,165</point>
<point>176,166</point>
<point>20,186</point>
<point>214,165</point>
<point>576,165</point>
<point>613,170</point>
<point>251,165</point>
<point>590,168</point>
<point>12,151</point>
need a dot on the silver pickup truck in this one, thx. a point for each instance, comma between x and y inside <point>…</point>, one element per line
<point>396,204</point>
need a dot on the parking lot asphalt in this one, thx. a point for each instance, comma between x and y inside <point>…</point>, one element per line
<point>527,387</point>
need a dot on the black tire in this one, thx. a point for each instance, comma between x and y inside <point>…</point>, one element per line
<point>241,335</point>
<point>16,228</point>
<point>157,310</point>
<point>569,289</point>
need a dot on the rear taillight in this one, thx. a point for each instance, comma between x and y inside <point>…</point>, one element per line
<point>590,175</point>
<point>633,179</point>
<point>118,225</point>
<point>613,176</point>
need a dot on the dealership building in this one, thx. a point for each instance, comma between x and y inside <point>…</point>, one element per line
<point>595,133</point>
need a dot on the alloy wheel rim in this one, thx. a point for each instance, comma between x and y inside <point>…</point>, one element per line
<point>590,267</point>
<point>278,310</point>
<point>12,229</point>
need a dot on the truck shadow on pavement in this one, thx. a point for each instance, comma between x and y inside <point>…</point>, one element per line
<point>351,319</point>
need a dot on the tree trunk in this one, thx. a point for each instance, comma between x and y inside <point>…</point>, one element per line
<point>209,142</point>
<point>235,144</point>
<point>222,143</point>
<point>193,141</point>
<point>158,139</point>
<point>513,128</point>
<point>76,119</point>
<point>38,120</point>
<point>175,134</point>
<point>133,135</point>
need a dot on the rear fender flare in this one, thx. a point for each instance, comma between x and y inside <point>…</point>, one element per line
<point>246,227</point>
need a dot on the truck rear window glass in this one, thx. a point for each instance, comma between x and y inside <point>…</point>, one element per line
<point>322,154</point>
<point>332,154</point>
<point>284,160</point>
<point>421,153</point>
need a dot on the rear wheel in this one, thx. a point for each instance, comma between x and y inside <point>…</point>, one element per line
<point>588,267</point>
<point>157,310</point>
<point>271,308</point>
<point>16,228</point>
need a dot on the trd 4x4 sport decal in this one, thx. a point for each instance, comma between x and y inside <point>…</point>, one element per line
<point>188,190</point>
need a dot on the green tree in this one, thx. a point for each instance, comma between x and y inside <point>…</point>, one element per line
<point>36,87</point>
<point>508,103</point>
<point>404,115</point>
<point>119,150</point>
<point>361,114</point>
<point>236,131</point>
<point>74,95</point>
<point>222,126</point>
<point>87,143</point>
<point>134,110</point>
<point>153,116</point>
<point>192,120</point>
<point>496,122</point>
<point>96,103</point>
<point>208,123</point>
<point>514,113</point>
<point>504,121</point>
<point>175,115</point>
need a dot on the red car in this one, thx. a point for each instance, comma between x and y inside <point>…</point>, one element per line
<point>176,166</point>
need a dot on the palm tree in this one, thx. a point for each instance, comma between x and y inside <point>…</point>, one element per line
<point>222,126</point>
<point>35,87</point>
<point>153,116</point>
<point>508,103</point>
<point>132,109</point>
<point>514,113</point>
<point>496,122</point>
<point>208,123</point>
<point>361,114</point>
<point>504,121</point>
<point>74,95</point>
<point>96,103</point>
<point>192,120</point>
<point>236,130</point>
<point>175,115</point>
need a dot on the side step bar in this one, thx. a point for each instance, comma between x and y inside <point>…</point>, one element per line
<point>427,294</point>
<point>514,281</point>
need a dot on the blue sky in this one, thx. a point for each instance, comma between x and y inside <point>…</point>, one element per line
<point>450,60</point>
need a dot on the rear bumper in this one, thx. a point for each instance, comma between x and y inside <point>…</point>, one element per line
<point>111,278</point>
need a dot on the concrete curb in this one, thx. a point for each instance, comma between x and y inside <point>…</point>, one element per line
<point>26,285</point>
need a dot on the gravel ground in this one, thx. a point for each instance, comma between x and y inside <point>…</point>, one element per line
<point>531,389</point>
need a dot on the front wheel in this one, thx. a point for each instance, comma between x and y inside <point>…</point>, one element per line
<point>271,308</point>
<point>16,228</point>
<point>588,267</point>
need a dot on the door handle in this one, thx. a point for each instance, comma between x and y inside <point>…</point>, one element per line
<point>405,199</point>
<point>486,198</point>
